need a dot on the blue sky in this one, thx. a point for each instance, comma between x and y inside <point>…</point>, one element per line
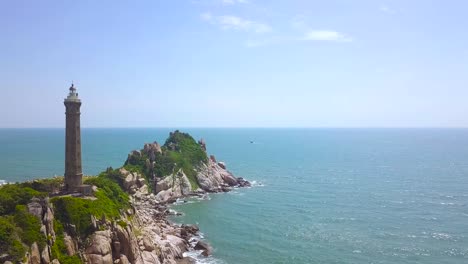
<point>236,63</point>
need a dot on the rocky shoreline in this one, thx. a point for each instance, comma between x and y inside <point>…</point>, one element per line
<point>152,210</point>
<point>138,231</point>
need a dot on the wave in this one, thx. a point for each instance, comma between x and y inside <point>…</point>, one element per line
<point>200,259</point>
<point>256,184</point>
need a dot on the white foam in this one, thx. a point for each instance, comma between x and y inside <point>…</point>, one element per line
<point>200,259</point>
<point>256,184</point>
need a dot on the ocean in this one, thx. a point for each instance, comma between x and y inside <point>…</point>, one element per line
<point>319,195</point>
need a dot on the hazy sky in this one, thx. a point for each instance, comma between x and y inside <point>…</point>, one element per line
<point>230,63</point>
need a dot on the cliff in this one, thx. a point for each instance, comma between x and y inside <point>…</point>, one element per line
<point>123,220</point>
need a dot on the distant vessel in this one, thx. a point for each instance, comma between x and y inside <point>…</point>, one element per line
<point>251,141</point>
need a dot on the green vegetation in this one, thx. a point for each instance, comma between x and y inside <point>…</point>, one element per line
<point>59,251</point>
<point>110,199</point>
<point>180,151</point>
<point>29,227</point>
<point>189,149</point>
<point>12,195</point>
<point>45,185</point>
<point>9,239</point>
<point>19,228</point>
<point>186,153</point>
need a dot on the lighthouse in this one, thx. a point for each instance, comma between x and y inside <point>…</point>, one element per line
<point>73,170</point>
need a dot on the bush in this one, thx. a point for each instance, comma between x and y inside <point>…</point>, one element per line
<point>45,185</point>
<point>12,195</point>
<point>9,242</point>
<point>113,175</point>
<point>29,226</point>
<point>59,251</point>
<point>110,199</point>
<point>180,151</point>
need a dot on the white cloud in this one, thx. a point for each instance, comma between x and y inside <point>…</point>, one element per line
<point>327,35</point>
<point>387,10</point>
<point>236,23</point>
<point>232,2</point>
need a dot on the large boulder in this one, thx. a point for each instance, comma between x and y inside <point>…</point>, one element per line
<point>45,257</point>
<point>128,243</point>
<point>35,254</point>
<point>205,247</point>
<point>173,186</point>
<point>100,243</point>
<point>150,257</point>
<point>70,245</point>
<point>35,208</point>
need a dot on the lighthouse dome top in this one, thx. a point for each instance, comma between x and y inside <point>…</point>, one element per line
<point>72,95</point>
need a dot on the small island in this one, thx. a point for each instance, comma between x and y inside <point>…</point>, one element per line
<point>124,217</point>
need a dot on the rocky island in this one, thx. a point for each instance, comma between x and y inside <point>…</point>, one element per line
<point>123,219</point>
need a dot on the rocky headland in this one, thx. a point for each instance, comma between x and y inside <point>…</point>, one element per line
<point>124,220</point>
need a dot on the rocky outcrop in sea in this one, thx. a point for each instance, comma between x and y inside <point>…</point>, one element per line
<point>140,232</point>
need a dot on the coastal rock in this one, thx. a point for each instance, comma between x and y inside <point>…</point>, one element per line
<point>213,176</point>
<point>172,187</point>
<point>201,245</point>
<point>124,260</point>
<point>132,181</point>
<point>99,259</point>
<point>243,183</point>
<point>222,165</point>
<point>178,243</point>
<point>202,143</point>
<point>48,221</point>
<point>35,257</point>
<point>150,148</point>
<point>100,244</point>
<point>35,208</point>
<point>150,257</point>
<point>70,245</point>
<point>45,257</point>
<point>128,243</point>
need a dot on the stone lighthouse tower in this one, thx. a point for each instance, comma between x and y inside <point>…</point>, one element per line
<point>73,172</point>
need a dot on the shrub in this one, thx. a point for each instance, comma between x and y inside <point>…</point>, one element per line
<point>110,199</point>
<point>29,226</point>
<point>14,194</point>
<point>9,242</point>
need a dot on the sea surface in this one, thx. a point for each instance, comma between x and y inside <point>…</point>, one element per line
<point>319,195</point>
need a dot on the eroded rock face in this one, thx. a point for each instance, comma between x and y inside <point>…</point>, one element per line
<point>100,243</point>
<point>173,186</point>
<point>35,208</point>
<point>128,243</point>
<point>70,245</point>
<point>35,254</point>
<point>45,257</point>
<point>133,181</point>
<point>213,177</point>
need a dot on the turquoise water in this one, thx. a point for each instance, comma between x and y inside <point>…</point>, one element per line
<point>321,195</point>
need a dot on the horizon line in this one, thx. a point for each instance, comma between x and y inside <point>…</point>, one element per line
<point>254,127</point>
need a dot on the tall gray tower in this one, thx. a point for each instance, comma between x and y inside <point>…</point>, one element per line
<point>73,171</point>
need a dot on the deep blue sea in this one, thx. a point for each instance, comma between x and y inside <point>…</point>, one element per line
<point>320,195</point>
